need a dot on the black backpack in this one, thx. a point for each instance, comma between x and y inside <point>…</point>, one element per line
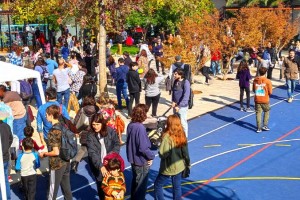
<point>68,148</point>
<point>191,97</point>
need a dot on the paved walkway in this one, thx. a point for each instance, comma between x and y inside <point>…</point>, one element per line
<point>214,96</point>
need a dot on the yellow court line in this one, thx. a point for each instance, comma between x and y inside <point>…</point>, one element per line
<point>246,144</point>
<point>283,145</point>
<point>237,179</point>
<point>212,145</point>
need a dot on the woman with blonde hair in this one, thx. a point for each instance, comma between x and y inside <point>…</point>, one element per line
<point>174,155</point>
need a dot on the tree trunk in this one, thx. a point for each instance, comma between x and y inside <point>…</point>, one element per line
<point>102,59</point>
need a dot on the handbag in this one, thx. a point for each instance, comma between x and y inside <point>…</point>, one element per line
<point>186,172</point>
<point>83,121</point>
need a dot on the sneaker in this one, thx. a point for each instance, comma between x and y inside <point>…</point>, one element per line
<point>265,128</point>
<point>292,97</point>
<point>242,109</point>
<point>290,100</point>
<point>258,130</point>
<point>248,110</point>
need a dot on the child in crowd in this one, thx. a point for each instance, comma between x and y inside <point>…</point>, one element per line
<point>243,74</point>
<point>107,108</point>
<point>28,132</point>
<point>27,163</point>
<point>113,185</point>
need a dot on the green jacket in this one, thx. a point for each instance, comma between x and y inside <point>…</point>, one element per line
<point>172,159</point>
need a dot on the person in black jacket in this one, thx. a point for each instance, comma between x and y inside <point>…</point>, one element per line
<point>134,86</point>
<point>88,88</point>
<point>6,140</point>
<point>101,141</point>
<point>273,58</point>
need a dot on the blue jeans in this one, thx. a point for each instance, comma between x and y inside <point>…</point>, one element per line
<point>36,93</point>
<point>122,89</point>
<point>139,182</point>
<point>6,165</point>
<point>183,118</point>
<point>291,84</point>
<point>161,180</point>
<point>64,94</point>
<point>18,127</point>
<point>215,67</point>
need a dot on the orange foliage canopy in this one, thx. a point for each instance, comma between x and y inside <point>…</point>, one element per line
<point>251,27</point>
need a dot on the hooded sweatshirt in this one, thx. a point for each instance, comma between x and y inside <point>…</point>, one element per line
<point>262,87</point>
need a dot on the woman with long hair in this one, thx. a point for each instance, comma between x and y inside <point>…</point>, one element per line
<point>244,76</point>
<point>152,91</point>
<point>88,87</point>
<point>138,151</point>
<point>143,63</point>
<point>174,155</point>
<point>101,141</point>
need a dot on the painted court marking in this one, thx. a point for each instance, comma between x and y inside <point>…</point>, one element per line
<point>225,125</point>
<point>240,162</point>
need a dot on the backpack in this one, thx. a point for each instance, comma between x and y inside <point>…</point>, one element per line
<point>68,147</point>
<point>45,75</point>
<point>25,90</point>
<point>191,97</point>
<point>266,55</point>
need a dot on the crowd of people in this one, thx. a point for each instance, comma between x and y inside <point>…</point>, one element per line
<point>70,82</point>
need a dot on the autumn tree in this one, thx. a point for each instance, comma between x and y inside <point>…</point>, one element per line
<point>167,13</point>
<point>98,16</point>
<point>250,27</point>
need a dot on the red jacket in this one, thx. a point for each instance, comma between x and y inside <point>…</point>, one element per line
<point>216,55</point>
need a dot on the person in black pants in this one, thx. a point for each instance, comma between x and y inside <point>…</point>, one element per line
<point>152,91</point>
<point>134,86</point>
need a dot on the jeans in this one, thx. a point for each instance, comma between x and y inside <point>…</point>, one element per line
<point>183,118</point>
<point>291,84</point>
<point>122,89</point>
<point>215,67</point>
<point>259,108</point>
<point>161,180</point>
<point>64,94</point>
<point>154,102</point>
<point>139,182</point>
<point>133,96</point>
<point>18,127</point>
<point>157,61</point>
<point>270,72</point>
<point>247,90</point>
<point>8,196</point>
<point>205,72</point>
<point>29,186</point>
<point>36,93</point>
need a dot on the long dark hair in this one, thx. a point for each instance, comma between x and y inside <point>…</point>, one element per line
<point>243,66</point>
<point>98,118</point>
<point>150,76</point>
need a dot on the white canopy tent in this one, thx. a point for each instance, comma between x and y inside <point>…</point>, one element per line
<point>10,72</point>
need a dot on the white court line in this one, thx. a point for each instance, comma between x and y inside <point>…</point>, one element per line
<point>92,183</point>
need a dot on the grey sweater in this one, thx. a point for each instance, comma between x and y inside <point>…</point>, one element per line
<point>152,90</point>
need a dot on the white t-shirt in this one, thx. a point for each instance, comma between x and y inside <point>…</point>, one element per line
<point>62,79</point>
